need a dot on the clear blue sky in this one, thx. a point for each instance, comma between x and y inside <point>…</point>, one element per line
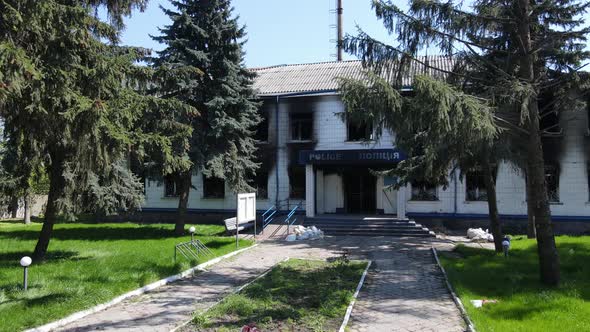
<point>279,31</point>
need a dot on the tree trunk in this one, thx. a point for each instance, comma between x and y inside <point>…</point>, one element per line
<point>27,218</point>
<point>548,257</point>
<point>531,231</point>
<point>56,187</point>
<point>184,186</point>
<point>14,207</point>
<point>495,224</point>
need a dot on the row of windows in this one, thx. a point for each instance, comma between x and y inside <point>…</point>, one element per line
<point>301,129</point>
<point>215,187</point>
<point>475,188</point>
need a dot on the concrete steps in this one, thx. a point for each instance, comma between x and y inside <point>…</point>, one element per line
<point>368,226</point>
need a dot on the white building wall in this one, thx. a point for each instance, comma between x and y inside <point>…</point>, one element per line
<point>330,133</point>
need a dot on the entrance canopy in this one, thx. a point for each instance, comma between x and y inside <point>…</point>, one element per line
<point>358,157</point>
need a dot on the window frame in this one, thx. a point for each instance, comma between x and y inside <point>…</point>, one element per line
<point>209,195</point>
<point>294,121</point>
<point>423,192</point>
<point>369,131</point>
<point>478,172</point>
<point>553,196</point>
<point>168,180</point>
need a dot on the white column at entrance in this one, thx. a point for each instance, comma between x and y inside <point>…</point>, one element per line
<point>309,191</point>
<point>401,202</point>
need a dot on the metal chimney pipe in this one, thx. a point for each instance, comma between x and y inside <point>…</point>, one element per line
<point>340,28</point>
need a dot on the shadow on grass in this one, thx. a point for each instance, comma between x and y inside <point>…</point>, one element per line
<point>13,258</point>
<point>102,233</point>
<point>515,280</point>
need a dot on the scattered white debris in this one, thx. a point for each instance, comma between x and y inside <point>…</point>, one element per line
<point>480,303</point>
<point>305,233</point>
<point>478,234</point>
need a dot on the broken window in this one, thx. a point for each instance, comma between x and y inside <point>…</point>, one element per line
<point>359,131</point>
<point>552,181</point>
<point>170,187</point>
<point>301,126</point>
<point>213,187</point>
<point>423,191</point>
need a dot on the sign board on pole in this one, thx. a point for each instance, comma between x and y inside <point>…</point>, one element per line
<point>246,211</point>
<point>246,208</point>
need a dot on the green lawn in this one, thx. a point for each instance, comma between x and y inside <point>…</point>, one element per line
<point>524,303</point>
<point>297,295</point>
<point>88,264</point>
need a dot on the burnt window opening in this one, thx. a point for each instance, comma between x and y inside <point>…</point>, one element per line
<point>475,185</point>
<point>359,131</point>
<point>261,134</point>
<point>301,126</point>
<point>213,187</point>
<point>423,191</point>
<point>297,182</point>
<point>171,189</point>
<point>552,182</point>
<point>260,184</point>
<point>549,117</point>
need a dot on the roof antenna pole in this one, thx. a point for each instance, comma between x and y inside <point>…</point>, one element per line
<point>339,28</point>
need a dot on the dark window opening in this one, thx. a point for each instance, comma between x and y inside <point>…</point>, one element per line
<point>359,131</point>
<point>260,184</point>
<point>549,121</point>
<point>423,191</point>
<point>552,182</point>
<point>475,184</point>
<point>261,134</point>
<point>301,126</point>
<point>171,188</point>
<point>213,187</point>
<point>297,182</point>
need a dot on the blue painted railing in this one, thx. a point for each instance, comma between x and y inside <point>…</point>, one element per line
<point>268,216</point>
<point>291,214</point>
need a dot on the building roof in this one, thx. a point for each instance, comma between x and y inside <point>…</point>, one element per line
<point>322,76</point>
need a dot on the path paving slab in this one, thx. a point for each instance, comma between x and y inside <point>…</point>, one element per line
<point>404,290</point>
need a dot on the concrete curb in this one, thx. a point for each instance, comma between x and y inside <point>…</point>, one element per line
<point>356,293</point>
<point>80,314</point>
<point>470,326</point>
<point>237,290</point>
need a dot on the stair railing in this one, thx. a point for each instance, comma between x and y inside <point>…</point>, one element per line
<point>268,216</point>
<point>291,219</point>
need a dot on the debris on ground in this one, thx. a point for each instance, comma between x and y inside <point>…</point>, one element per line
<point>481,303</point>
<point>479,235</point>
<point>305,233</point>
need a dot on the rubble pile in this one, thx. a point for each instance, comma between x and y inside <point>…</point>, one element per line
<point>305,233</point>
<point>479,235</point>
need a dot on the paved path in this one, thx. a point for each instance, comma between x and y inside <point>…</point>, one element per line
<point>403,292</point>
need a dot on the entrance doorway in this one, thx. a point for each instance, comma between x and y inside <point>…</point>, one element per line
<point>360,188</point>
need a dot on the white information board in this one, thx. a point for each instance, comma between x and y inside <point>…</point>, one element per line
<point>246,210</point>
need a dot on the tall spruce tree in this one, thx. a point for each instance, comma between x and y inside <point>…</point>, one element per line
<point>206,36</point>
<point>75,101</point>
<point>525,46</point>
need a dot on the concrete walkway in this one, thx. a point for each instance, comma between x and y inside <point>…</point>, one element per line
<point>403,292</point>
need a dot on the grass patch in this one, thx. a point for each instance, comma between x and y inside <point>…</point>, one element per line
<point>297,295</point>
<point>524,303</point>
<point>88,264</point>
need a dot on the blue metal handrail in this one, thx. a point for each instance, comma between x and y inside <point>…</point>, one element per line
<point>268,216</point>
<point>288,219</point>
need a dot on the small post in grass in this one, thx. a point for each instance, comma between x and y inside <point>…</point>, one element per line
<point>25,262</point>
<point>506,245</point>
<point>192,231</point>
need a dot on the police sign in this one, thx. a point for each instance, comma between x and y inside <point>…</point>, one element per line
<point>367,156</point>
